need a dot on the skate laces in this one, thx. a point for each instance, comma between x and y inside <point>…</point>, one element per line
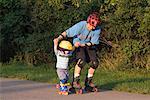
<point>76,83</point>
<point>88,82</point>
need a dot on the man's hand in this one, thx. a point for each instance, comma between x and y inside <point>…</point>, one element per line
<point>82,45</point>
<point>77,44</point>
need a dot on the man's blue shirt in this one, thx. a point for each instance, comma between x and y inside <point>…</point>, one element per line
<point>81,34</point>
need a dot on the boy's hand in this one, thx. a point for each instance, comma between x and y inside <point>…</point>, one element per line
<point>55,41</point>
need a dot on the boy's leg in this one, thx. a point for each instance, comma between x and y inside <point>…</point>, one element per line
<point>63,76</point>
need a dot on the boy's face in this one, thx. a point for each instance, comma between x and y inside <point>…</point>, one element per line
<point>66,53</point>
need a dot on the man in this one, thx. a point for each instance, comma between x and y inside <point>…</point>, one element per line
<point>85,35</point>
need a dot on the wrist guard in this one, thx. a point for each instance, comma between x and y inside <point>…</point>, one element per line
<point>60,37</point>
<point>88,44</point>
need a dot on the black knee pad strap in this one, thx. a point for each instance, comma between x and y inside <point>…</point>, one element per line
<point>94,64</point>
<point>81,63</point>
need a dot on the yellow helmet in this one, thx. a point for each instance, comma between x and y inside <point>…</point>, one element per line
<point>66,45</point>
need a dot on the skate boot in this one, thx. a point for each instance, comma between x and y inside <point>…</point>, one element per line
<point>89,86</point>
<point>76,87</point>
<point>58,85</point>
<point>63,88</point>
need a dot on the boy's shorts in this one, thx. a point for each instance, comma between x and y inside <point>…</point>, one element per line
<point>63,74</point>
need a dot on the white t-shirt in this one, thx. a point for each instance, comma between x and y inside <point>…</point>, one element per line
<point>62,59</point>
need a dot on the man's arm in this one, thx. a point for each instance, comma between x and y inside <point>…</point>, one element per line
<point>86,44</point>
<point>101,38</point>
<point>61,36</point>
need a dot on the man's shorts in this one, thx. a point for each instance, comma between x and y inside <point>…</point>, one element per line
<point>87,54</point>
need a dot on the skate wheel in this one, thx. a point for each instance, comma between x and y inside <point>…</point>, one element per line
<point>60,92</point>
<point>65,93</point>
<point>72,90</point>
<point>95,89</point>
<point>88,89</point>
<point>79,92</point>
<point>57,86</point>
<point>91,89</point>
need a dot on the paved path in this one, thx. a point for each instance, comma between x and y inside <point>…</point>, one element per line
<point>13,89</point>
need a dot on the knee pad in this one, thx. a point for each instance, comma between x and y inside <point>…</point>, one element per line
<point>81,63</point>
<point>94,64</point>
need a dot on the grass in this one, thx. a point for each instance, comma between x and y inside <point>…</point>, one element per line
<point>135,81</point>
<point>41,73</point>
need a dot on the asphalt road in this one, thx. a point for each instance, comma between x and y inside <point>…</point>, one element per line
<point>14,89</point>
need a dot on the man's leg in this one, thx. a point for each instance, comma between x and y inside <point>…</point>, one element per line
<point>78,67</point>
<point>80,55</point>
<point>91,72</point>
<point>93,61</point>
<point>93,65</point>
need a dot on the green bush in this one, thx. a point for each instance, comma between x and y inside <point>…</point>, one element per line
<point>28,28</point>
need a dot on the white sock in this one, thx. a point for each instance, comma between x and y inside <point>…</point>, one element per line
<point>76,75</point>
<point>90,75</point>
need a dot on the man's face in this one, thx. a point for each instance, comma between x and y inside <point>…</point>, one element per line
<point>90,27</point>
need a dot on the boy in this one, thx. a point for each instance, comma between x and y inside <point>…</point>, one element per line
<point>62,52</point>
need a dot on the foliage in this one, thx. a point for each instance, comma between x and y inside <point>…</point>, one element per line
<point>22,71</point>
<point>125,25</point>
<point>112,61</point>
<point>29,26</point>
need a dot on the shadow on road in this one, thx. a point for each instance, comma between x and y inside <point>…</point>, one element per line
<point>112,85</point>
